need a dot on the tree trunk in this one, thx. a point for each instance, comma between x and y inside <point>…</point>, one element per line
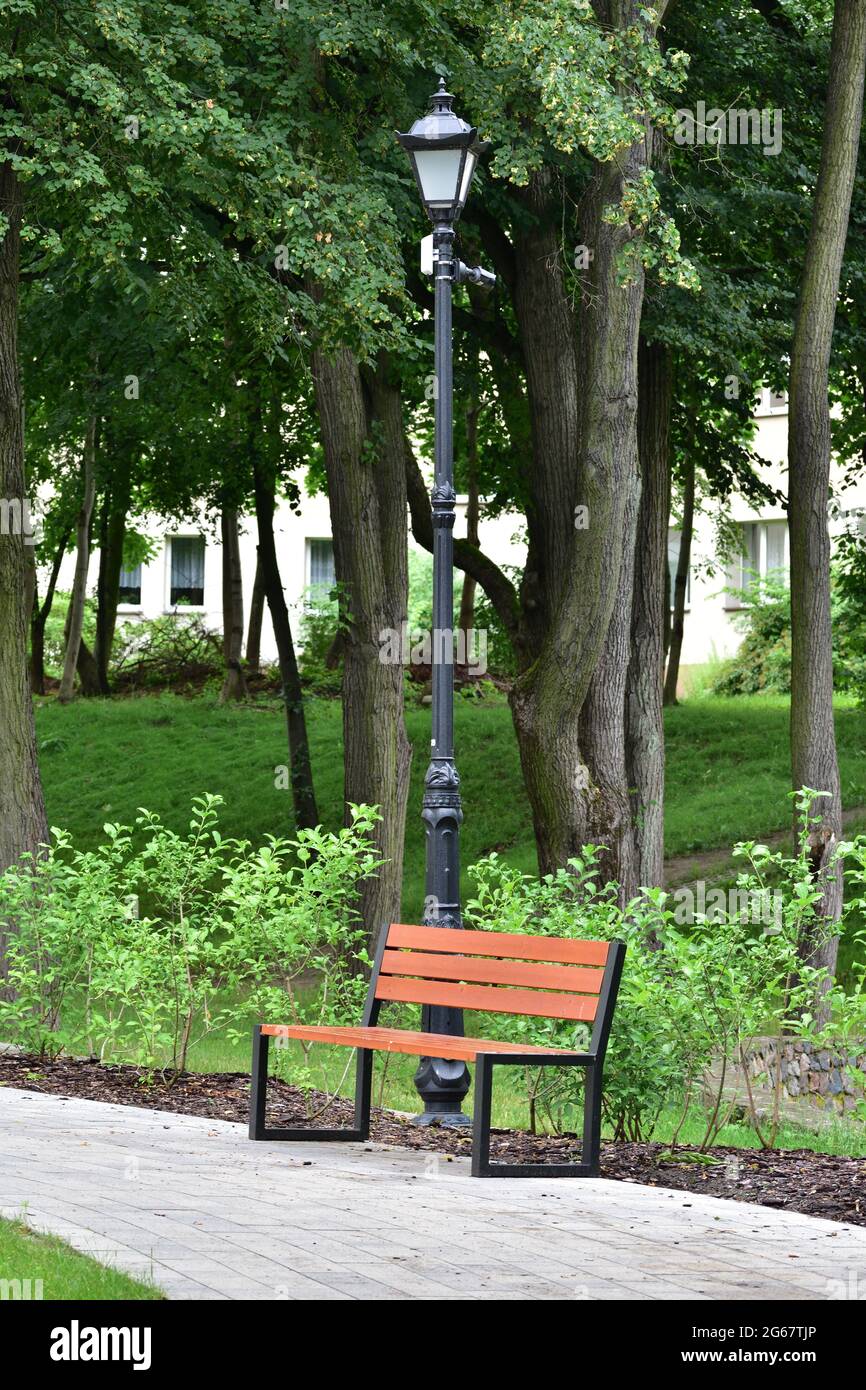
<point>367,496</point>
<point>466,622</point>
<point>582,491</point>
<point>667,604</point>
<point>300,769</point>
<point>571,587</point>
<point>88,671</point>
<point>813,742</point>
<point>681,584</point>
<point>113,534</point>
<point>234,684</point>
<point>603,733</point>
<point>88,675</point>
<point>23,825</point>
<point>75,623</point>
<point>644,715</point>
<point>254,629</point>
<point>41,614</point>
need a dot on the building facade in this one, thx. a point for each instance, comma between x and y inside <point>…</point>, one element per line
<point>185,567</point>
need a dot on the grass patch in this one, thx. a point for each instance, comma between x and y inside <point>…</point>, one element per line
<point>63,1272</point>
<point>835,1137</point>
<point>728,776</point>
<point>728,770</point>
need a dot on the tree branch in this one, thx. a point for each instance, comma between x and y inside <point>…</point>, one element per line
<point>496,585</point>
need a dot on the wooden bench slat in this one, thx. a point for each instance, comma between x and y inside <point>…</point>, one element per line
<point>477,969</point>
<point>491,999</point>
<point>508,945</point>
<point>405,1041</point>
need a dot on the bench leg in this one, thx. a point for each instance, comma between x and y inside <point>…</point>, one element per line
<point>481,1165</point>
<point>258,1083</point>
<point>592,1119</point>
<point>363,1090</point>
<point>258,1096</point>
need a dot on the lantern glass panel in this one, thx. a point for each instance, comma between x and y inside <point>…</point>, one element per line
<point>468,171</point>
<point>438,173</point>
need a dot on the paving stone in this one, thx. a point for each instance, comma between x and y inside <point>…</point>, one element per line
<point>204,1214</point>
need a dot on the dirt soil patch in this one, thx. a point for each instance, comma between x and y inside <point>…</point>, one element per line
<point>824,1185</point>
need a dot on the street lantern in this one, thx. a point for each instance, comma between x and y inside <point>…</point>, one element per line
<point>444,152</point>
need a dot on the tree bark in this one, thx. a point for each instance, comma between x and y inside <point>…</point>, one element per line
<point>645,732</point>
<point>681,584</point>
<point>234,683</point>
<point>466,621</point>
<point>88,671</point>
<point>603,734</point>
<point>75,622</point>
<point>41,614</point>
<point>814,763</point>
<point>23,825</point>
<point>584,458</point>
<point>494,581</point>
<point>300,768</point>
<point>367,496</point>
<point>113,534</point>
<point>254,628</point>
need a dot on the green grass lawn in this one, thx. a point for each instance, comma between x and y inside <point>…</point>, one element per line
<point>727,770</point>
<point>63,1272</point>
<point>727,779</point>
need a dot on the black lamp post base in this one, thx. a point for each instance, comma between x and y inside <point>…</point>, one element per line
<point>447,1119</point>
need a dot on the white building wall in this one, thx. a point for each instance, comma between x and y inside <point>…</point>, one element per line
<point>293,532</point>
<point>711,629</point>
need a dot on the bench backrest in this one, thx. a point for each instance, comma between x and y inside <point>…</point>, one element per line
<point>497,972</point>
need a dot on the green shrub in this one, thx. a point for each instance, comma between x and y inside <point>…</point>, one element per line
<point>134,953</point>
<point>849,616</point>
<point>55,644</point>
<point>688,994</point>
<point>166,652</point>
<point>320,623</point>
<point>763,662</point>
<point>500,652</point>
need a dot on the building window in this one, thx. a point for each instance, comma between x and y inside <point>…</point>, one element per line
<point>764,553</point>
<point>775,553</point>
<point>130,586</point>
<point>187,570</point>
<point>769,402</point>
<point>673,561</point>
<point>320,565</point>
<point>744,567</point>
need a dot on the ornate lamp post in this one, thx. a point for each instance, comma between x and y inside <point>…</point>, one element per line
<point>444,152</point>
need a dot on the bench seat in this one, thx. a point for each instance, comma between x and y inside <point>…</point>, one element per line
<point>402,1040</point>
<point>569,979</point>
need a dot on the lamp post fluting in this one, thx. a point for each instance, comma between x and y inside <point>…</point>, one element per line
<point>444,151</point>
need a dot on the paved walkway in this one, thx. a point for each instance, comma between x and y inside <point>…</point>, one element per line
<point>206,1214</point>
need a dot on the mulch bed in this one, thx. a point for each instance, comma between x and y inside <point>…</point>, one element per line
<point>795,1180</point>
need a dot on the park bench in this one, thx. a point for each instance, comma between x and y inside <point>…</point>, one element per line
<point>545,976</point>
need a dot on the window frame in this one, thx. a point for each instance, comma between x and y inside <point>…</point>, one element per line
<point>309,542</point>
<point>179,605</point>
<point>131,605</point>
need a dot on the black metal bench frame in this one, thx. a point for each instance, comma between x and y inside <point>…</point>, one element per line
<point>592,1061</point>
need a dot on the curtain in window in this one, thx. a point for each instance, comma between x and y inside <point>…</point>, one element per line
<point>776,546</point>
<point>322,575</point>
<point>187,569</point>
<point>740,576</point>
<point>130,585</point>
